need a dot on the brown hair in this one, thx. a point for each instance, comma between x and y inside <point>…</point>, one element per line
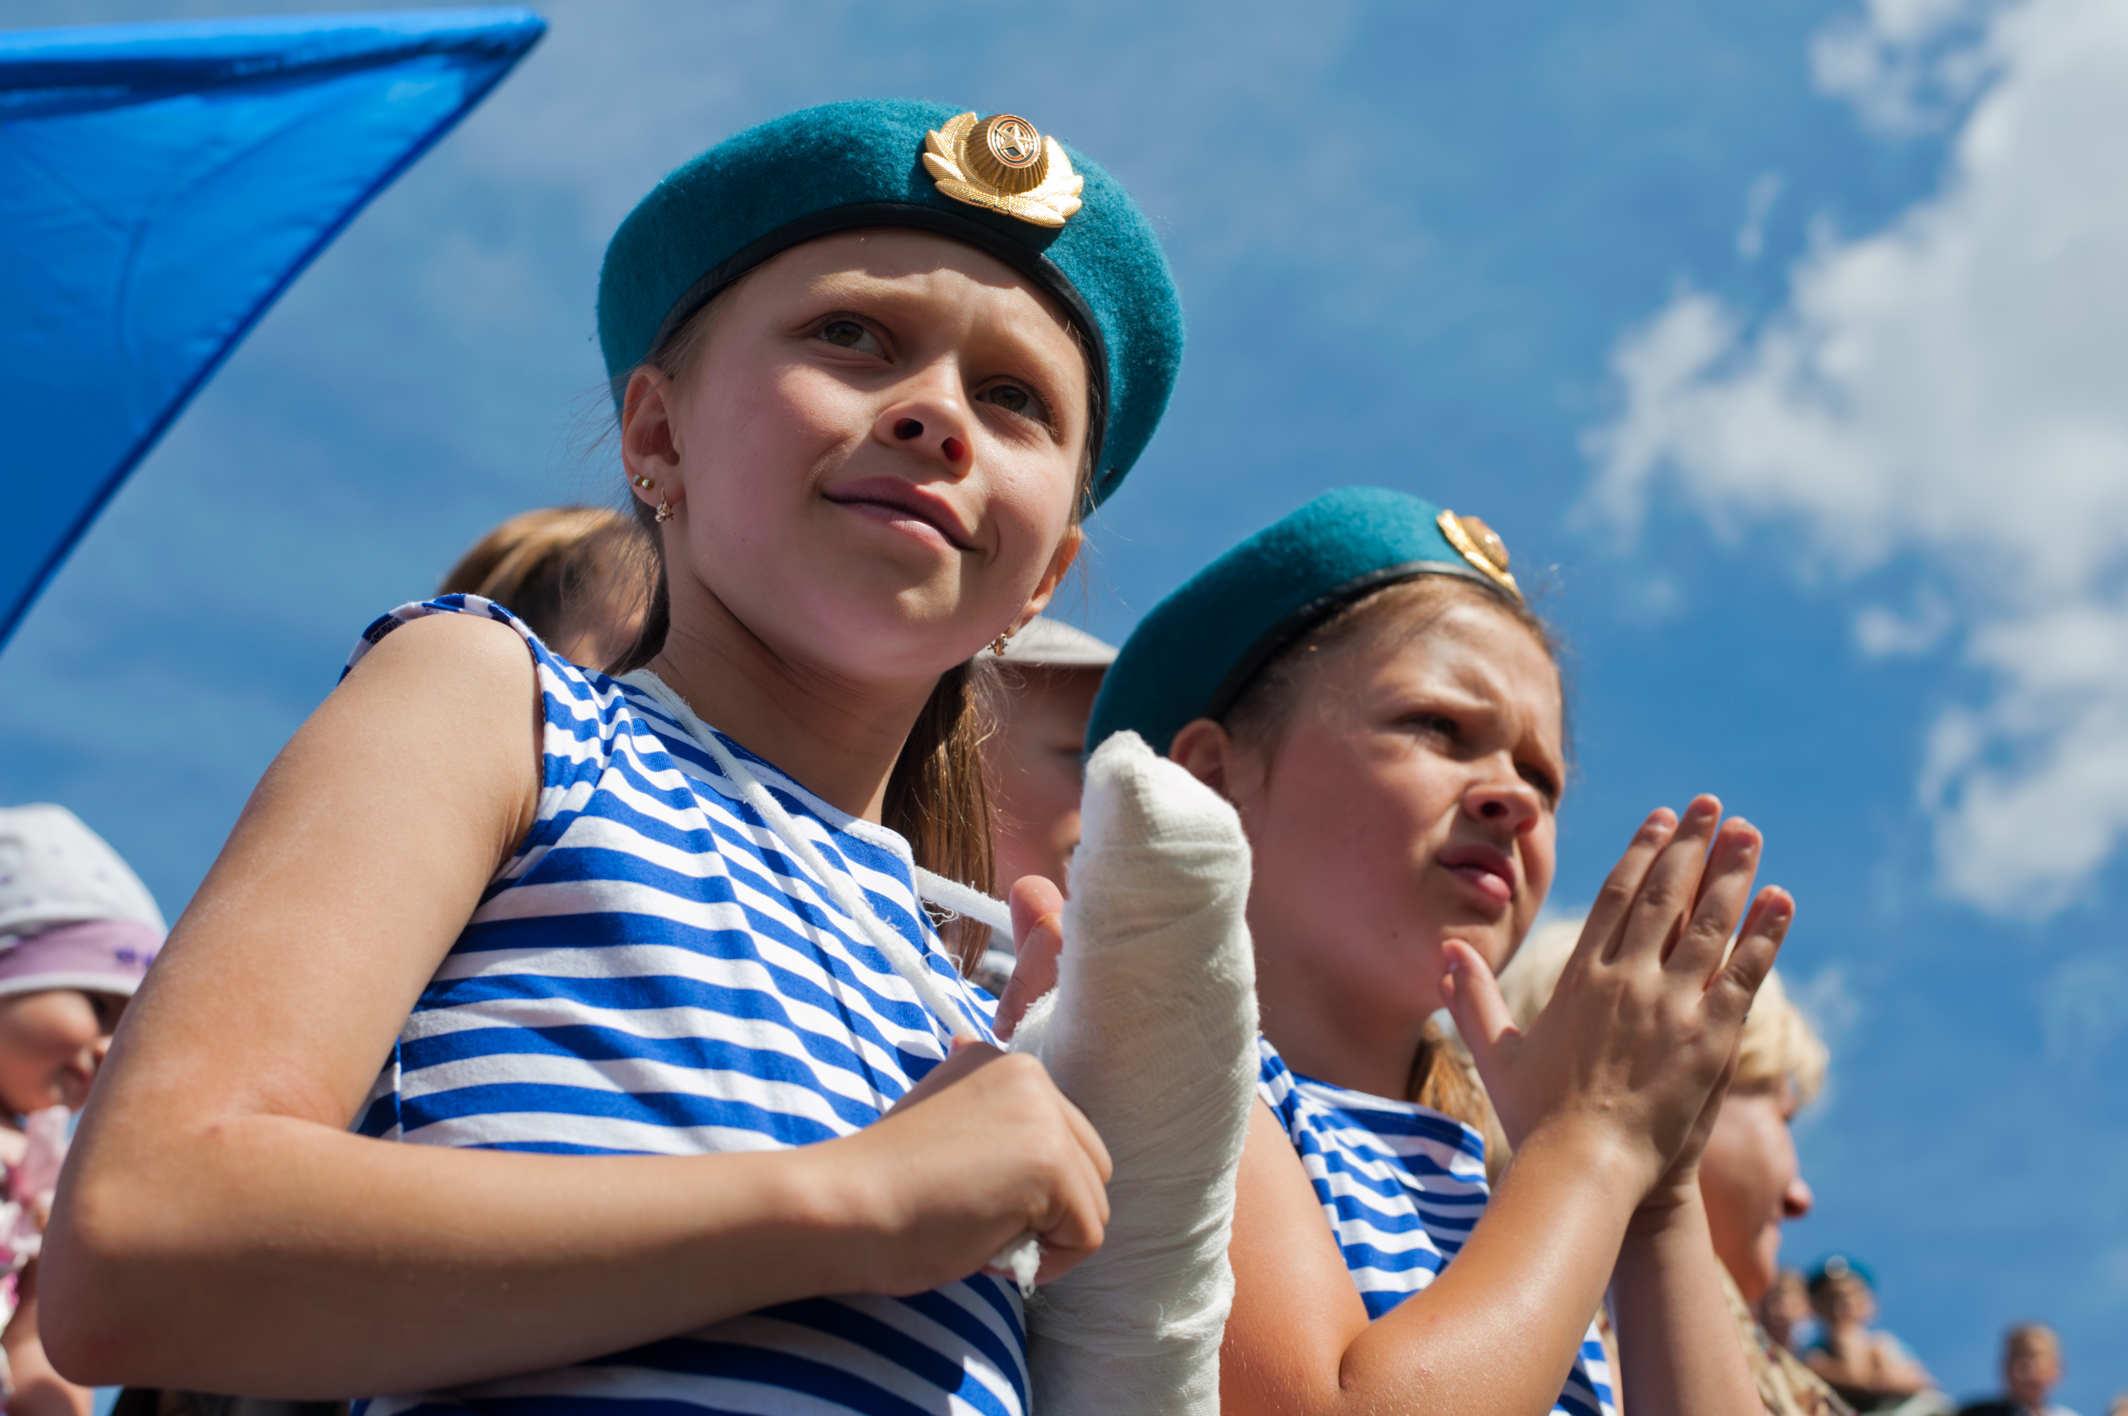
<point>936,796</point>
<point>559,569</point>
<point>1442,1076</point>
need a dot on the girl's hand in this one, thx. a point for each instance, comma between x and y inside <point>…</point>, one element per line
<point>1770,916</point>
<point>983,1150</point>
<point>1630,1052</point>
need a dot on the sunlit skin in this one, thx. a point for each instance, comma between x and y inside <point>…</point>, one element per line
<point>1402,828</point>
<point>1752,1183</point>
<point>893,410</point>
<point>1033,760</point>
<point>873,467</point>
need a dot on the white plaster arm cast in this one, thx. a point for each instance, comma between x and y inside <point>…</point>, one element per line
<point>1151,1031</point>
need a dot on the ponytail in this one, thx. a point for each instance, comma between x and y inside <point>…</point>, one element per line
<point>936,797</point>
<point>1444,1079</point>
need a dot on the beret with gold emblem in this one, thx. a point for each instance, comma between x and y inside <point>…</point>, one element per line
<point>996,182</point>
<point>1196,651</point>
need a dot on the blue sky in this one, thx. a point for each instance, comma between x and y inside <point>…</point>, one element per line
<point>1785,340</point>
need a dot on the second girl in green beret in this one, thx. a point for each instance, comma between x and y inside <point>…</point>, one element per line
<point>536,1045</point>
<point>1364,683</point>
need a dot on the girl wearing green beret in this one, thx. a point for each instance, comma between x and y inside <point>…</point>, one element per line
<point>549,1038</point>
<point>1364,682</point>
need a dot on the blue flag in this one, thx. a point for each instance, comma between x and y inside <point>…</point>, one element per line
<point>160,186</point>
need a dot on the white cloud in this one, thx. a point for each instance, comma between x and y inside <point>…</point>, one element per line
<point>2084,1007</point>
<point>1758,205</point>
<point>1882,633</point>
<point>1827,1003</point>
<point>1953,388</point>
<point>1901,63</point>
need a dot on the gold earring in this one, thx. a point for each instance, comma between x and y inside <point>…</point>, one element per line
<point>644,482</point>
<point>997,645</point>
<point>664,511</point>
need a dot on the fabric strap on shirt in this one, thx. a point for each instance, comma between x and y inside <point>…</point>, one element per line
<point>943,1006</point>
<point>970,903</point>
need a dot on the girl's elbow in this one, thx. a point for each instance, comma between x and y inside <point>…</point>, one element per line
<point>90,1272</point>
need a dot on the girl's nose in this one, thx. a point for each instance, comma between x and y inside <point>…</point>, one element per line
<point>932,425</point>
<point>1503,801</point>
<point>1797,1199</point>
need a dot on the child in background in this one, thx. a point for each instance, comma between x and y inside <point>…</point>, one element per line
<point>1784,1312</point>
<point>1041,692</point>
<point>579,576</point>
<point>77,933</point>
<point>1364,682</point>
<point>1749,1178</point>
<point>2031,1368</point>
<point>534,1044</point>
<point>1046,684</point>
<point>1869,1368</point>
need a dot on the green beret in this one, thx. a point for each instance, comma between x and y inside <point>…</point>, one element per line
<point>1198,649</point>
<point>996,184</point>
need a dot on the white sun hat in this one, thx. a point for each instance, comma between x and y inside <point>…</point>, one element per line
<point>1053,644</point>
<point>72,914</point>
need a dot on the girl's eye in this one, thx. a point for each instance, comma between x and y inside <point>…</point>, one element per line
<point>1543,782</point>
<point>1436,723</point>
<point>850,334</point>
<point>1013,398</point>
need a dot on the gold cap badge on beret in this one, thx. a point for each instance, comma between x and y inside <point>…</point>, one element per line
<point>1480,545</point>
<point>1002,163</point>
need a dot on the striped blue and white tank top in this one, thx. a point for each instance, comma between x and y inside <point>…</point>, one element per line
<point>655,973</point>
<point>1402,1186</point>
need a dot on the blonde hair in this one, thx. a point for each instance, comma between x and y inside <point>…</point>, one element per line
<point>1778,1043</point>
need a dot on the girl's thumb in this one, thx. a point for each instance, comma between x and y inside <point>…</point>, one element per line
<point>1473,998</point>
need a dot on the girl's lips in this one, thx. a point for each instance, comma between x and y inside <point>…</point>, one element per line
<point>1490,872</point>
<point>895,502</point>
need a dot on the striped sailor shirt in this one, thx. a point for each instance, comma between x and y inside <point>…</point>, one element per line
<point>1401,1186</point>
<point>655,973</point>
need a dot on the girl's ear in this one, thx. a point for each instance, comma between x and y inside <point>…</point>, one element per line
<point>1067,551</point>
<point>650,449</point>
<point>1205,750</point>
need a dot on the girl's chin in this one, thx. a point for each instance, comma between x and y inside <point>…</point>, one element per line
<point>883,636</point>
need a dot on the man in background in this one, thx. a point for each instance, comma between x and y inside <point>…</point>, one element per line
<point>2031,1368</point>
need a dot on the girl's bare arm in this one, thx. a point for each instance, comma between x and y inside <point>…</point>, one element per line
<point>38,1390</point>
<point>1494,1335</point>
<point>219,1229</point>
<point>1606,1102</point>
<point>1677,1342</point>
